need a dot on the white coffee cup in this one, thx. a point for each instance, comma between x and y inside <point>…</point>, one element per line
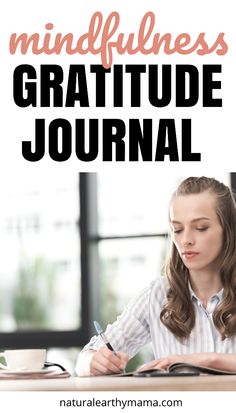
<point>25,359</point>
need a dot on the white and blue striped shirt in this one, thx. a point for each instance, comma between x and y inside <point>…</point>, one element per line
<point>140,324</point>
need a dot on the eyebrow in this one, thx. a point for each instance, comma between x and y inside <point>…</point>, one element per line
<point>193,220</point>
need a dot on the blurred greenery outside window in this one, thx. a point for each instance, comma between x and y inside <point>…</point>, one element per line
<point>40,264</point>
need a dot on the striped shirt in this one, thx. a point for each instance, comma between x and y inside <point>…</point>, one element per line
<point>140,324</point>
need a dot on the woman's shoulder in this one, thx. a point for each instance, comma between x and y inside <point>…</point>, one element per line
<point>159,288</point>
<point>157,284</point>
<point>156,288</point>
<point>154,292</point>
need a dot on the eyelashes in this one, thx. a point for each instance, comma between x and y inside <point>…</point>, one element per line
<point>202,229</point>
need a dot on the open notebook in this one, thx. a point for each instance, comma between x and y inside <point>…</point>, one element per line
<point>178,369</point>
<point>50,371</point>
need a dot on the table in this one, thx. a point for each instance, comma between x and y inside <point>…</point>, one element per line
<point>106,383</point>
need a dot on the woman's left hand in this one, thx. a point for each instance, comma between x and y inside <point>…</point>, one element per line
<point>203,359</point>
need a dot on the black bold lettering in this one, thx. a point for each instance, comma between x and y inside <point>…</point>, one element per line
<point>48,83</point>
<point>27,151</point>
<point>140,140</point>
<point>118,85</point>
<point>209,85</point>
<point>100,84</point>
<point>63,126</point>
<point>113,137</point>
<point>167,130</point>
<point>135,71</point>
<point>193,79</point>
<point>77,80</point>
<point>187,154</point>
<point>20,86</point>
<point>80,140</point>
<point>154,98</point>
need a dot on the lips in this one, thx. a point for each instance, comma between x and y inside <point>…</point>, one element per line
<point>190,254</point>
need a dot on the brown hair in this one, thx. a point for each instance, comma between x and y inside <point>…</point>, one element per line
<point>178,314</point>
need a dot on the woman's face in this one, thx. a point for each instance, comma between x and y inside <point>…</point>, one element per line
<point>196,231</point>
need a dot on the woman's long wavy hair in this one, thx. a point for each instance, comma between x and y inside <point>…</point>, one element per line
<point>178,314</point>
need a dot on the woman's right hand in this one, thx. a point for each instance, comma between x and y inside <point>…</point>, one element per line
<point>104,361</point>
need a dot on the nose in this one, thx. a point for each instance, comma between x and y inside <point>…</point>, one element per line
<point>187,239</point>
<point>187,243</point>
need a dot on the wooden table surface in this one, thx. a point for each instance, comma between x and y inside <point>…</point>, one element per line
<point>105,383</point>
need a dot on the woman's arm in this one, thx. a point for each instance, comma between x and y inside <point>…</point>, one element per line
<point>102,361</point>
<point>82,367</point>
<point>127,335</point>
<point>224,361</point>
<point>215,360</point>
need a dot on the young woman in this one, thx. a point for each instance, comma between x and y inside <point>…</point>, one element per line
<point>189,314</point>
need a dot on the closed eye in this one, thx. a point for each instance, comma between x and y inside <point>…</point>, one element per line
<point>201,229</point>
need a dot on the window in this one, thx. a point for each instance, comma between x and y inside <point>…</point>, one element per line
<point>40,277</point>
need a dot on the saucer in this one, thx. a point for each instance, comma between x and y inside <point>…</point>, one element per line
<point>33,374</point>
<point>21,372</point>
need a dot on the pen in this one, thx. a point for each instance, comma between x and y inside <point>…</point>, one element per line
<point>99,330</point>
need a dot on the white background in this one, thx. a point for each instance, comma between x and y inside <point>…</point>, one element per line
<point>213,132</point>
<point>212,128</point>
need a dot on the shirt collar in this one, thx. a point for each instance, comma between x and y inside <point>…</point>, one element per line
<point>218,295</point>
